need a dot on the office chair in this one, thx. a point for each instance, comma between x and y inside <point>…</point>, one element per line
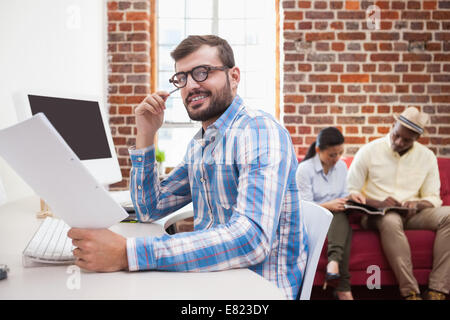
<point>317,221</point>
<point>168,223</point>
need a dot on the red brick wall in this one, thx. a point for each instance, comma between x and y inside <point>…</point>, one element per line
<point>128,73</point>
<point>335,70</point>
<point>339,72</point>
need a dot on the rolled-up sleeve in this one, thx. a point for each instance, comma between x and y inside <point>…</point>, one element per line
<point>431,186</point>
<point>151,198</point>
<point>357,173</point>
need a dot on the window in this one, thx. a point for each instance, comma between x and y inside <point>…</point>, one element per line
<point>250,28</point>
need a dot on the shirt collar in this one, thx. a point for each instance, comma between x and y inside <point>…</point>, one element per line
<point>396,154</point>
<point>227,118</point>
<point>224,121</point>
<point>317,164</point>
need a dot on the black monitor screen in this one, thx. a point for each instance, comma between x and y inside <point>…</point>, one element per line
<point>79,122</point>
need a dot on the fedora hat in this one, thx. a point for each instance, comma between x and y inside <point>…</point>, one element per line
<point>413,119</point>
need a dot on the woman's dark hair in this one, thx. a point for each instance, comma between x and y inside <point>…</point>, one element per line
<point>328,137</point>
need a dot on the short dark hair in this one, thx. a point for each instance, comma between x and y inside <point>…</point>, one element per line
<point>194,42</point>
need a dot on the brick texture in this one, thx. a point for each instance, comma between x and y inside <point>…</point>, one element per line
<point>128,73</point>
<point>335,70</point>
<point>338,72</point>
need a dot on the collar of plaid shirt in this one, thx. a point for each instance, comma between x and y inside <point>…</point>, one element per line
<point>218,128</point>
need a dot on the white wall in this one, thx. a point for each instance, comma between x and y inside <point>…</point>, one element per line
<point>53,46</point>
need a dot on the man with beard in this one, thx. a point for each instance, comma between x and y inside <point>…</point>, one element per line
<point>238,170</point>
<point>396,170</point>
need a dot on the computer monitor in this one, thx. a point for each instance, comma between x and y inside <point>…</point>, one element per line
<point>82,124</point>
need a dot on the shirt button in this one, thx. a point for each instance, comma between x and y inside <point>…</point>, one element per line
<point>202,180</point>
<point>139,187</point>
<point>139,159</point>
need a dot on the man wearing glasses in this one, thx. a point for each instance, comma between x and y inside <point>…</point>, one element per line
<point>238,170</point>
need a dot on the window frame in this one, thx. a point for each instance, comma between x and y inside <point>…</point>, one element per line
<point>154,43</point>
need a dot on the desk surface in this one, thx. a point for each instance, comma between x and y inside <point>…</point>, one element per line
<point>18,223</point>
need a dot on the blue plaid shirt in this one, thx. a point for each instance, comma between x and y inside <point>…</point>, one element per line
<point>240,176</point>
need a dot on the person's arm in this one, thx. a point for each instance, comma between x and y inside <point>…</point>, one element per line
<point>105,251</point>
<point>149,118</point>
<point>428,193</point>
<point>430,190</point>
<point>305,185</point>
<point>416,206</point>
<point>151,198</point>
<point>264,157</point>
<point>388,202</point>
<point>357,197</point>
<point>343,173</point>
<point>335,205</point>
<point>357,173</point>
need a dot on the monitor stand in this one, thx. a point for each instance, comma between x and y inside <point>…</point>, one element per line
<point>121,197</point>
<point>45,211</point>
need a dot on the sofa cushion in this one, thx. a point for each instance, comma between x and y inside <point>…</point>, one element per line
<point>366,250</point>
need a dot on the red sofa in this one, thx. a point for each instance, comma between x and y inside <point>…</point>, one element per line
<point>366,245</point>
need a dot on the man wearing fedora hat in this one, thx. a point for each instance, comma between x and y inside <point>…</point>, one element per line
<point>396,170</point>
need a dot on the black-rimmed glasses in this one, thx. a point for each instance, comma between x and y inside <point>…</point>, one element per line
<point>199,74</point>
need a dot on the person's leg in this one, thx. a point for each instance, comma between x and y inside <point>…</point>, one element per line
<point>396,249</point>
<point>339,242</point>
<point>337,237</point>
<point>437,219</point>
<point>344,287</point>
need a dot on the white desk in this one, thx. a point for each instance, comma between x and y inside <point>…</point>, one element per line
<point>18,223</point>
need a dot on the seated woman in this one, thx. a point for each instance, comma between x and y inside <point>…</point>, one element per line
<point>321,178</point>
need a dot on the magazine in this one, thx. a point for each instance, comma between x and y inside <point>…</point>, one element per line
<point>351,206</point>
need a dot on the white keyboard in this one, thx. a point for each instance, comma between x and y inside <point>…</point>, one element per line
<point>50,244</point>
